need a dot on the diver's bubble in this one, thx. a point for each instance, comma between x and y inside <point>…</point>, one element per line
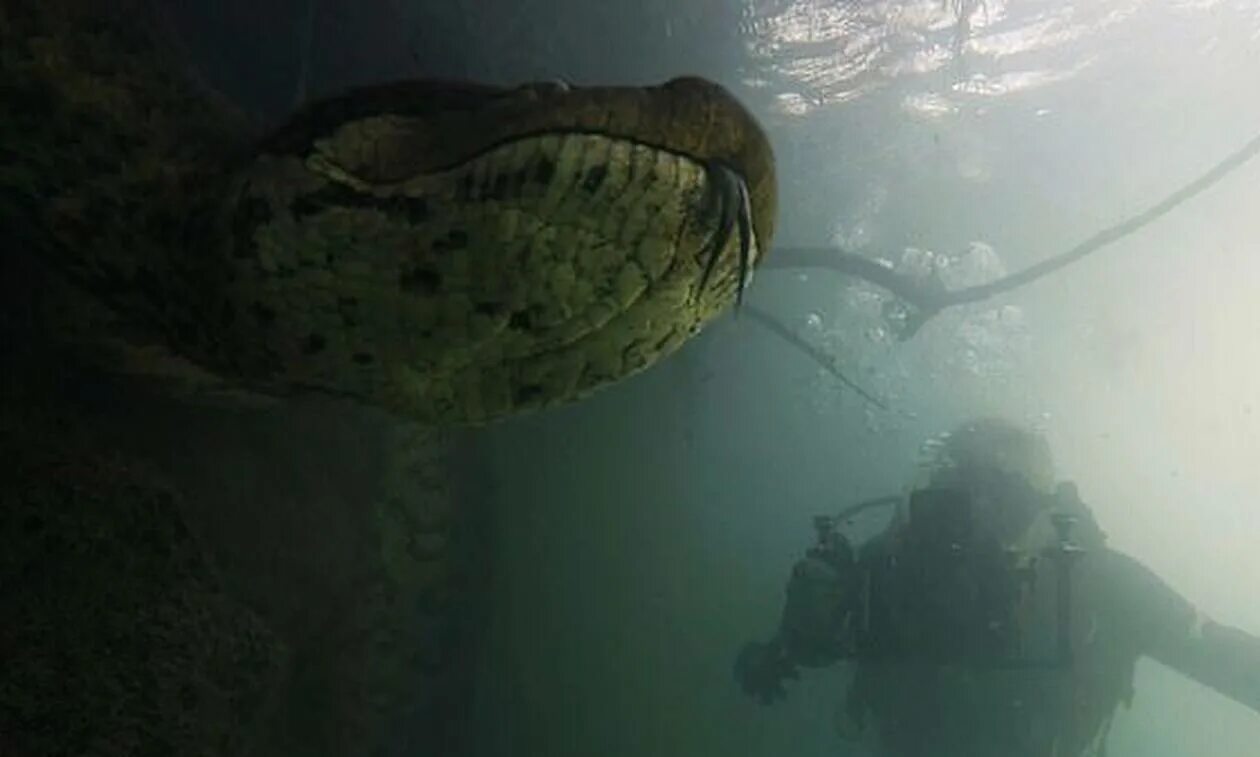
<point>917,261</point>
<point>978,264</point>
<point>814,321</point>
<point>872,420</point>
<point>928,105</point>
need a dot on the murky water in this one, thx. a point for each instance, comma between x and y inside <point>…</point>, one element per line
<point>609,558</point>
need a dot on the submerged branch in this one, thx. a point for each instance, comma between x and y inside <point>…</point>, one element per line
<point>827,362</point>
<point>930,299</point>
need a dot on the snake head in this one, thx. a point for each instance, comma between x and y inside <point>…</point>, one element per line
<point>516,247</point>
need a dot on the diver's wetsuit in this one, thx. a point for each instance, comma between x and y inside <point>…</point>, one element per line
<point>1120,612</point>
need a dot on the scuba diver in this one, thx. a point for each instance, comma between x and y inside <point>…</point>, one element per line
<point>989,619</point>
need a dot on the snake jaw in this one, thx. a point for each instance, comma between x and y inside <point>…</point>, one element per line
<point>734,211</point>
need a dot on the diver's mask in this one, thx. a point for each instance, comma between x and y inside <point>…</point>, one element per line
<point>980,505</point>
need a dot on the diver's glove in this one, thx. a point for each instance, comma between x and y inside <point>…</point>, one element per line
<point>761,669</point>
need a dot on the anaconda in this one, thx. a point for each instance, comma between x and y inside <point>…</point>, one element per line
<point>452,252</point>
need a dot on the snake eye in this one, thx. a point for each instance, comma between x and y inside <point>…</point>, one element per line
<point>688,82</point>
<point>729,192</point>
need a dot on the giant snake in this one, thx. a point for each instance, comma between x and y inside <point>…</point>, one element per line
<point>452,252</point>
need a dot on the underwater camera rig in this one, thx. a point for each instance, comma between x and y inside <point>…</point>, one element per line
<point>937,590</point>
